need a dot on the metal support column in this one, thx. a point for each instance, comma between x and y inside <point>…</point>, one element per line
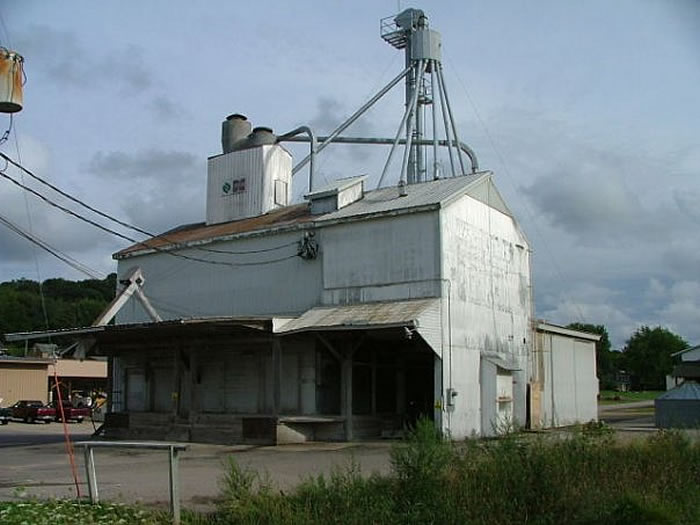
<point>91,476</point>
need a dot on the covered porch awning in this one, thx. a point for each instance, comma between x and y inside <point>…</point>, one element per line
<point>422,316</point>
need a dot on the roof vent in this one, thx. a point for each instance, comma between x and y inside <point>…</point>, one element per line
<point>337,195</point>
<point>261,136</point>
<point>234,131</point>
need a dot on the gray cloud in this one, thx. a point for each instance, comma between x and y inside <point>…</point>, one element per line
<point>59,230</point>
<point>63,59</point>
<point>160,190</point>
<point>152,164</point>
<point>163,108</point>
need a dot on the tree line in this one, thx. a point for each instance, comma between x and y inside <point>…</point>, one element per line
<point>645,358</point>
<point>66,304</point>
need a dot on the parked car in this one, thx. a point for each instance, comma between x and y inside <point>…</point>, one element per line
<point>72,413</point>
<point>81,398</point>
<point>31,411</point>
<point>5,415</point>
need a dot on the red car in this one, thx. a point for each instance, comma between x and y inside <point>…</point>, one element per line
<point>31,411</point>
<point>71,412</point>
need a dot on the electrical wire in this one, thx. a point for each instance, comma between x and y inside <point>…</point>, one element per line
<point>130,239</point>
<point>27,208</point>
<point>126,224</point>
<point>70,261</point>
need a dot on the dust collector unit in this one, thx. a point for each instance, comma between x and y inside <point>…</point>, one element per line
<point>252,176</point>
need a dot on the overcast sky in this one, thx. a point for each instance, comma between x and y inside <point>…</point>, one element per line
<point>587,112</point>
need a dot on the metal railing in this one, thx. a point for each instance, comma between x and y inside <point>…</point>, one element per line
<point>173,471</point>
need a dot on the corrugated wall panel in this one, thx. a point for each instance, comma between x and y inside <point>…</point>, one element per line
<point>23,382</point>
<point>181,288</point>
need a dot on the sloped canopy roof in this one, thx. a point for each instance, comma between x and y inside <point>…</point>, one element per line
<point>359,316</point>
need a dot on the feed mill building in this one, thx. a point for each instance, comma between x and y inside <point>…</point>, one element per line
<point>345,316</point>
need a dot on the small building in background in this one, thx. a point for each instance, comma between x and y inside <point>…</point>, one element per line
<point>679,407</point>
<point>564,386</point>
<point>686,367</point>
<point>23,378</point>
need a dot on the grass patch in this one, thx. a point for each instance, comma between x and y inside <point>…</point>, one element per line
<point>611,397</point>
<point>72,512</point>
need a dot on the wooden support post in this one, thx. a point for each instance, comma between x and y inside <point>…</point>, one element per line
<point>194,392</point>
<point>346,385</point>
<point>374,381</point>
<point>276,375</point>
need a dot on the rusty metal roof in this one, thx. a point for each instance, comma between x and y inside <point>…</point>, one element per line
<point>288,215</point>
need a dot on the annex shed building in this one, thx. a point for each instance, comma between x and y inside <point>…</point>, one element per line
<point>564,384</point>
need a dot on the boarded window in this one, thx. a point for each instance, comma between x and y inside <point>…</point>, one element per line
<point>135,390</point>
<point>210,382</point>
<point>162,384</point>
<point>242,382</point>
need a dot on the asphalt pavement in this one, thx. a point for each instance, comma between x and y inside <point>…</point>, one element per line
<point>34,462</point>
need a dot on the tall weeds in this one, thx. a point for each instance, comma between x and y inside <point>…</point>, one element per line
<point>586,478</point>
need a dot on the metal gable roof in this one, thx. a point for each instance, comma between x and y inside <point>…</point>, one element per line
<point>420,196</point>
<point>387,199</point>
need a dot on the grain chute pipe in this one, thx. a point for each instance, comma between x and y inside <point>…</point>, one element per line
<point>352,118</point>
<point>385,141</point>
<point>312,154</point>
<point>397,139</point>
<point>435,136</point>
<point>451,116</point>
<point>447,125</point>
<point>411,126</point>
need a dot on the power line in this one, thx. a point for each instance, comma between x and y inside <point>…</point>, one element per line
<point>34,254</point>
<point>127,238</point>
<point>70,261</point>
<point>126,224</point>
